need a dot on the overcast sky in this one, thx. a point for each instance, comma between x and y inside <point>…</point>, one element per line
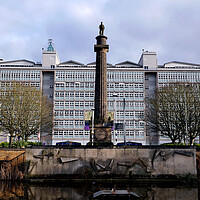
<point>169,27</point>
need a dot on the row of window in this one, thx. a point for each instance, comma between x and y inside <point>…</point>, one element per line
<point>119,104</point>
<point>129,105</point>
<point>130,134</point>
<point>130,115</point>
<point>74,95</point>
<point>69,124</point>
<point>20,75</point>
<point>32,84</point>
<point>130,124</point>
<point>178,77</point>
<point>71,134</point>
<point>70,114</point>
<point>90,95</point>
<point>88,105</point>
<point>75,75</point>
<point>90,75</point>
<point>125,86</point>
<point>75,86</point>
<point>91,85</point>
<point>125,76</point>
<point>74,104</point>
<point>126,95</point>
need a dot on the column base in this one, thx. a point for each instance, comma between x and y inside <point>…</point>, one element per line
<point>102,135</point>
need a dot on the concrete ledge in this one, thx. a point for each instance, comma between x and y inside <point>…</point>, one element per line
<point>111,162</point>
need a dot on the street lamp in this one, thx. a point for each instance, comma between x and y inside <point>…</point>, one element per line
<point>124,103</point>
<point>114,121</point>
<point>78,84</point>
<point>93,109</point>
<point>186,128</point>
<point>124,123</point>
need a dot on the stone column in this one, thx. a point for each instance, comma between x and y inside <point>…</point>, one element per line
<point>102,131</point>
<point>101,48</point>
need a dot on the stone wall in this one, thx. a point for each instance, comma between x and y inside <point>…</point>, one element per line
<point>113,162</point>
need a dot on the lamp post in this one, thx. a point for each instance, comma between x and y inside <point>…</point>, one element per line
<point>124,103</point>
<point>124,121</point>
<point>114,121</point>
<point>78,89</point>
<point>186,128</point>
<point>93,109</point>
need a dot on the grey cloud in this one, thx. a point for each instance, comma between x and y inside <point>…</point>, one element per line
<point>171,28</point>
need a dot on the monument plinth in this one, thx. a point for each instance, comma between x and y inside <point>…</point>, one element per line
<point>102,132</point>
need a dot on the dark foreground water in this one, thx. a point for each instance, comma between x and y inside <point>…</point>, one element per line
<point>84,190</point>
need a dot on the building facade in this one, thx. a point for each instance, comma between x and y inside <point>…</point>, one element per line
<point>70,86</point>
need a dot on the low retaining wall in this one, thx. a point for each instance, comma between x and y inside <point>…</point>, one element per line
<point>124,162</point>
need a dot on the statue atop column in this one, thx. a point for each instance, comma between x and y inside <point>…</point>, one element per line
<point>101,28</point>
<point>101,48</point>
<point>102,129</point>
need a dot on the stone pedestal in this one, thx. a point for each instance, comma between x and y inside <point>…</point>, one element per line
<point>102,134</point>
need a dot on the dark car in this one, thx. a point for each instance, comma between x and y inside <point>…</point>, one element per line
<point>68,143</point>
<point>129,144</point>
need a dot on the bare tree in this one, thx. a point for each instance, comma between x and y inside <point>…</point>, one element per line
<point>24,111</point>
<point>192,112</point>
<point>175,112</point>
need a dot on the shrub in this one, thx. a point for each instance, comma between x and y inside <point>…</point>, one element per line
<point>20,144</point>
<point>4,144</point>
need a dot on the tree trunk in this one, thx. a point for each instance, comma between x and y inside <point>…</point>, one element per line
<point>179,141</point>
<point>184,139</point>
<point>10,141</point>
<point>26,138</point>
<point>173,140</point>
<point>191,141</point>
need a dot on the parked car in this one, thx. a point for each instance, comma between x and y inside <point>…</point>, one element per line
<point>68,143</point>
<point>129,144</point>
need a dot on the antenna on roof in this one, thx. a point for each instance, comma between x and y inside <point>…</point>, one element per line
<point>51,46</point>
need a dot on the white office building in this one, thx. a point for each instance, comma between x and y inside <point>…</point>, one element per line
<point>70,86</point>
